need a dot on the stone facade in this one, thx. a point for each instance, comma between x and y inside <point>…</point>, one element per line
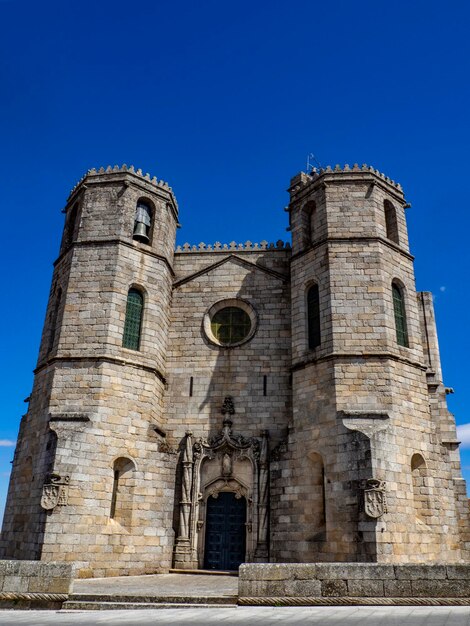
<point>339,451</point>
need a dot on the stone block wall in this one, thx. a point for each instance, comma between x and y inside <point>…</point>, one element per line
<point>353,583</point>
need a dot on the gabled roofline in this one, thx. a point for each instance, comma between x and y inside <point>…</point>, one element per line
<point>228,258</point>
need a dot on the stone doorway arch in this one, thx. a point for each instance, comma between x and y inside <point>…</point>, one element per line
<point>225,463</point>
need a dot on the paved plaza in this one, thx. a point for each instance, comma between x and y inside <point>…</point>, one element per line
<point>159,585</point>
<point>249,616</point>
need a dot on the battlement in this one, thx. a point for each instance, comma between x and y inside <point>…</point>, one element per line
<point>219,247</point>
<point>123,169</point>
<point>302,179</point>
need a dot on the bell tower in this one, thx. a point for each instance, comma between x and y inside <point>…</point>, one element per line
<point>373,473</point>
<point>89,445</point>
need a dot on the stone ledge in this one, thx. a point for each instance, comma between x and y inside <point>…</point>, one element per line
<point>35,577</point>
<point>348,601</point>
<point>343,581</point>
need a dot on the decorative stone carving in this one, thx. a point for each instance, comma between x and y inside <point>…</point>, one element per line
<point>229,463</point>
<point>263,506</point>
<point>183,545</point>
<point>375,499</point>
<point>279,450</point>
<point>228,406</point>
<point>55,491</point>
<point>226,464</point>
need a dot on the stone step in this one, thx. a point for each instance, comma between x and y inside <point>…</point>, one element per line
<point>74,605</point>
<point>99,602</point>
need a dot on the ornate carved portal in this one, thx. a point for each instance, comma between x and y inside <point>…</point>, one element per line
<point>224,463</point>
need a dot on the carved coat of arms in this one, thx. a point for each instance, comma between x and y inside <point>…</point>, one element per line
<point>55,491</point>
<point>375,500</point>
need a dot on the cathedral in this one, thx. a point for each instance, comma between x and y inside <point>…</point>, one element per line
<point>201,407</point>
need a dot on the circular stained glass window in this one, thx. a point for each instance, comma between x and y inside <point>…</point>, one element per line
<point>230,325</point>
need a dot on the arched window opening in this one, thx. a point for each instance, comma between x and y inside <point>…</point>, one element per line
<point>54,317</point>
<point>142,222</point>
<point>419,476</point>
<point>313,317</point>
<point>308,223</point>
<point>51,449</point>
<point>400,315</point>
<point>312,218</point>
<point>70,224</point>
<point>123,491</point>
<point>391,223</point>
<point>133,322</point>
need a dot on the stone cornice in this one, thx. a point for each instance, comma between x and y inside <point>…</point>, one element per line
<point>353,240</point>
<point>100,359</point>
<point>117,241</point>
<point>338,356</point>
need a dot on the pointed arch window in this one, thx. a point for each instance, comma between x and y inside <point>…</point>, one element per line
<point>391,223</point>
<point>313,317</point>
<point>133,322</point>
<point>400,315</point>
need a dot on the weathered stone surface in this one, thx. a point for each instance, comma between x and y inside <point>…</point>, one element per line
<point>268,571</point>
<point>433,588</point>
<point>366,588</point>
<point>397,588</point>
<point>302,588</point>
<point>354,571</point>
<point>334,588</point>
<point>36,576</point>
<point>416,572</point>
<point>347,420</point>
<point>458,571</point>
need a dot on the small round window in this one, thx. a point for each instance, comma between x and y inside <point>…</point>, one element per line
<point>230,325</point>
<point>230,322</point>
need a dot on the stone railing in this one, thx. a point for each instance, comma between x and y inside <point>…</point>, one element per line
<point>233,246</point>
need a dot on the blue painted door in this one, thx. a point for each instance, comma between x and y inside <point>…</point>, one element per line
<point>225,532</point>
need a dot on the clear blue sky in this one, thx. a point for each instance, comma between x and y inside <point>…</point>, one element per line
<point>224,101</point>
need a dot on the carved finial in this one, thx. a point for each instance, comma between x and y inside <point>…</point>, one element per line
<point>228,406</point>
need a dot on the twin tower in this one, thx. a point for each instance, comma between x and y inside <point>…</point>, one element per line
<point>228,403</point>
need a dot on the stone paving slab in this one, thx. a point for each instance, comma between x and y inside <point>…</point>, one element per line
<point>248,616</point>
<point>159,585</point>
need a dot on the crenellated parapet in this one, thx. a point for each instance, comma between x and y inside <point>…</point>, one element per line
<point>361,172</point>
<point>111,173</point>
<point>224,247</point>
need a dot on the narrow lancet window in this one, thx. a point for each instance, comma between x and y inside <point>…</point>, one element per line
<point>391,223</point>
<point>54,317</point>
<point>133,323</point>
<point>313,317</point>
<point>400,315</point>
<point>123,491</point>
